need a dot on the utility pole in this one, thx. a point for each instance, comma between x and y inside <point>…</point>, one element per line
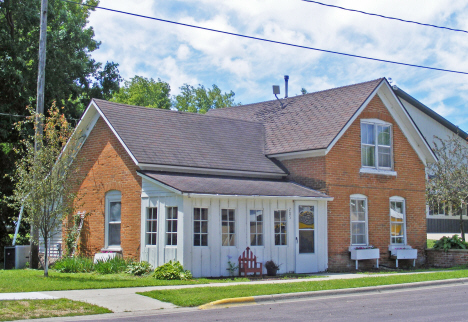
<point>34,256</point>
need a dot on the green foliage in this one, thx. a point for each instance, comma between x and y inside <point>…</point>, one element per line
<point>145,92</point>
<point>139,268</point>
<point>431,242</point>
<point>172,271</point>
<point>72,234</point>
<point>304,91</point>
<point>112,266</point>
<point>201,99</point>
<point>453,242</point>
<point>232,267</point>
<point>74,265</point>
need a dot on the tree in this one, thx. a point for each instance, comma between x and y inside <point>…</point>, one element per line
<point>146,92</point>
<point>43,179</point>
<point>304,91</point>
<point>72,76</point>
<point>447,182</point>
<point>201,100</point>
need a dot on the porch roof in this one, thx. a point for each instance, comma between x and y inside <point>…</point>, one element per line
<point>232,186</point>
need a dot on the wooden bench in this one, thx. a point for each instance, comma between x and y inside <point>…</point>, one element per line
<point>248,263</point>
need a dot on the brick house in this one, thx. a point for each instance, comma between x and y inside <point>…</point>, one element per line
<point>303,182</point>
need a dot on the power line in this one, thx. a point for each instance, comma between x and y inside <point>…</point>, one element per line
<point>271,41</point>
<point>386,17</point>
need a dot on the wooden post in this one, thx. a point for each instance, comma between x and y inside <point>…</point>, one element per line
<point>34,256</point>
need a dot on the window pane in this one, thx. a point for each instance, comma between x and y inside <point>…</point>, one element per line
<point>196,227</point>
<point>204,213</point>
<point>259,228</point>
<point>196,214</point>
<point>306,241</point>
<point>196,240</point>
<point>231,215</point>
<point>204,240</point>
<point>114,234</point>
<point>204,227</point>
<point>277,216</point>
<point>367,133</point>
<point>368,156</point>
<point>396,211</point>
<point>383,135</point>
<point>359,228</point>
<point>385,157</point>
<point>224,214</point>
<point>114,213</point>
<point>253,228</point>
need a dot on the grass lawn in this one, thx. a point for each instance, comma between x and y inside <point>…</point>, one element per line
<point>431,242</point>
<point>36,309</point>
<point>202,295</point>
<point>34,281</point>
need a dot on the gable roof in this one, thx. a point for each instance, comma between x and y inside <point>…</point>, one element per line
<point>163,137</point>
<point>307,122</point>
<point>230,186</point>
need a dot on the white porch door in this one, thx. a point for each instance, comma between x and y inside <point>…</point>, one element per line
<point>306,236</point>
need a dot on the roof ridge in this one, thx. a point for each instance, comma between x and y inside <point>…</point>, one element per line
<point>175,112</point>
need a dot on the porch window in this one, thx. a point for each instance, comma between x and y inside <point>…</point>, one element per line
<point>397,221</point>
<point>171,226</point>
<point>200,226</point>
<point>228,229</point>
<point>376,144</point>
<point>113,218</point>
<point>358,211</point>
<point>256,227</point>
<point>152,226</point>
<point>280,227</point>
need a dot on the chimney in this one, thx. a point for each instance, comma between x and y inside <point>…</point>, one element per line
<point>286,78</point>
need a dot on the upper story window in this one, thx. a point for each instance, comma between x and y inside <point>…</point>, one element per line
<point>397,221</point>
<point>358,211</point>
<point>113,218</point>
<point>376,144</point>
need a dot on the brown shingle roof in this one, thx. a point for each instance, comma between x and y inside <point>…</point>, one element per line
<point>217,185</point>
<point>308,122</point>
<point>174,138</point>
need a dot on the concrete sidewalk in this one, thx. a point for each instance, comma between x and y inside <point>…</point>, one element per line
<point>126,300</point>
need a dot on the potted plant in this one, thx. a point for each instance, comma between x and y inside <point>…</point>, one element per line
<point>271,268</point>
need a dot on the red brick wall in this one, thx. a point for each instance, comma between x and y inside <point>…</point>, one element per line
<point>104,165</point>
<point>453,257</point>
<point>342,179</point>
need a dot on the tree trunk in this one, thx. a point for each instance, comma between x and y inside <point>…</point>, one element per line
<point>46,257</point>
<point>462,228</point>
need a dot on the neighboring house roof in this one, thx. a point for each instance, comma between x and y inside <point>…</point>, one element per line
<point>164,137</point>
<point>307,122</point>
<point>429,112</point>
<point>232,186</point>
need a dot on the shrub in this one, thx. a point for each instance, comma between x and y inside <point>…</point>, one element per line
<point>112,266</point>
<point>453,242</point>
<point>139,269</point>
<point>74,265</point>
<point>172,271</point>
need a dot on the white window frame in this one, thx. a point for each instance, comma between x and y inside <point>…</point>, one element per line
<point>112,196</point>
<point>201,221</point>
<point>229,224</point>
<point>148,221</point>
<point>376,167</point>
<point>285,228</point>
<point>366,222</point>
<point>398,199</point>
<point>171,232</point>
<point>256,228</point>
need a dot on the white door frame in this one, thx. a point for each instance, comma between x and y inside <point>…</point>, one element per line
<point>308,262</point>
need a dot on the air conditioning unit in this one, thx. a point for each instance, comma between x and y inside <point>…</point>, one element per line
<point>16,256</point>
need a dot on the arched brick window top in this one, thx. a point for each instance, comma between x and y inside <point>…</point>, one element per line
<point>113,209</point>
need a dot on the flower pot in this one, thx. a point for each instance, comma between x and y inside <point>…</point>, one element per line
<point>271,271</point>
<point>358,254</point>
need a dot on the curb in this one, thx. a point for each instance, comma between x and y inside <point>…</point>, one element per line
<point>316,294</point>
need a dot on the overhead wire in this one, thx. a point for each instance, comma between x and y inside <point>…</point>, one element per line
<point>385,17</point>
<point>270,40</point>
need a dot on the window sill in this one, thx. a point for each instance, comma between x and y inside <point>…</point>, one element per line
<point>379,172</point>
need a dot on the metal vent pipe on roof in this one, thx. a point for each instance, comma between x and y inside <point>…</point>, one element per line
<point>286,78</point>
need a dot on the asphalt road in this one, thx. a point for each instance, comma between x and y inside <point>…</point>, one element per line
<point>441,303</point>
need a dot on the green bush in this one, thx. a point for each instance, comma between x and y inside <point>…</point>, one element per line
<point>139,269</point>
<point>453,242</point>
<point>172,271</point>
<point>112,266</point>
<point>74,265</point>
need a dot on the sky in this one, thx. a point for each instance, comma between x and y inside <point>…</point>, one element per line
<point>181,55</point>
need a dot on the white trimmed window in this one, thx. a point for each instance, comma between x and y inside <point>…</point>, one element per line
<point>171,226</point>
<point>280,224</point>
<point>152,226</point>
<point>256,227</point>
<point>397,221</point>
<point>113,219</point>
<point>200,226</point>
<point>358,210</point>
<point>376,145</point>
<point>228,227</point>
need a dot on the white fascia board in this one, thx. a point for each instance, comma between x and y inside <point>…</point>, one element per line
<point>298,155</point>
<point>205,195</point>
<point>407,126</point>
<point>115,132</point>
<point>172,168</point>
<point>355,116</point>
<point>156,182</point>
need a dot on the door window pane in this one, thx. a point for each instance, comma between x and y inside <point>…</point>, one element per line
<point>306,229</point>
